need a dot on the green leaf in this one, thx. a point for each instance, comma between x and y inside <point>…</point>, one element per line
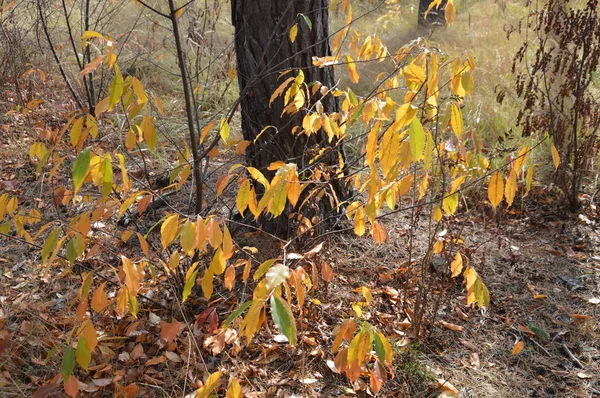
<point>81,167</point>
<point>5,227</point>
<point>284,319</point>
<point>379,347</point>
<point>50,244</point>
<point>416,139</point>
<point>116,88</point>
<point>107,176</point>
<point>190,281</point>
<point>75,248</point>
<point>235,314</point>
<point>85,289</point>
<point>68,363</point>
<point>307,20</point>
<point>83,353</point>
<point>357,112</point>
<point>133,304</point>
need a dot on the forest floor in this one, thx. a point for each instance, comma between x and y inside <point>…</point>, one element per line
<point>542,267</point>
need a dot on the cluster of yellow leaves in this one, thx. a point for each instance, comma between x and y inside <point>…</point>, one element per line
<point>352,360</point>
<point>284,187</point>
<point>499,189</point>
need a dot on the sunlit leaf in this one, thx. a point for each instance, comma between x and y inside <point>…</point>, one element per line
<point>496,189</point>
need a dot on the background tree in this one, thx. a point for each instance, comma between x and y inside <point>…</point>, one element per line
<point>265,48</point>
<point>435,16</point>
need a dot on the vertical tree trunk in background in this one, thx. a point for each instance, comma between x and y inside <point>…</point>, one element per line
<point>264,50</point>
<point>436,15</point>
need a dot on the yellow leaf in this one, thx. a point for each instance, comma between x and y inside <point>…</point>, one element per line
<point>188,238</point>
<point>234,389</point>
<point>88,34</point>
<point>159,106</point>
<point>404,116</point>
<point>496,189</point>
<point>450,204</point>
<point>555,156</point>
<point>456,121</point>
<point>371,146</point>
<point>293,32</point>
<point>213,381</point>
<point>132,275</point>
<point>437,214</point>
<point>243,196</point>
<point>521,159</point>
<point>207,284</point>
<point>456,265</point>
<point>351,66</point>
<point>529,179</point>
<point>224,130</point>
<point>511,188</point>
<point>438,246</point>
<point>168,230</point>
<point>450,12</point>
<point>217,265</point>
<point>518,347</point>
<point>228,249</point>
<point>215,235</point>
<point>359,222</point>
<point>130,140</point>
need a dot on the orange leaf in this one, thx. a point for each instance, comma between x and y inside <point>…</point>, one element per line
<point>71,386</point>
<point>229,278</point>
<point>580,317</point>
<point>518,347</point>
<point>326,272</point>
<point>130,391</point>
<point>92,66</point>
<point>526,330</point>
<point>100,299</point>
<point>451,326</point>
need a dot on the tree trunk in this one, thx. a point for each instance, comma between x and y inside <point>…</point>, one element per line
<point>435,17</point>
<point>264,50</point>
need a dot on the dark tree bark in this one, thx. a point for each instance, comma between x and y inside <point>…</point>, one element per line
<point>264,50</point>
<point>436,15</point>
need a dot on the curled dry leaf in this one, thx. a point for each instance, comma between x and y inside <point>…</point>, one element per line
<point>444,386</point>
<point>451,326</point>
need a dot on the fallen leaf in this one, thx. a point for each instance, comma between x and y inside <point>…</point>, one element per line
<point>102,382</point>
<point>451,326</point>
<point>580,317</point>
<point>594,300</point>
<point>173,357</point>
<point>169,331</point>
<point>582,375</point>
<point>518,347</point>
<point>156,361</point>
<point>526,330</point>
<point>443,385</point>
